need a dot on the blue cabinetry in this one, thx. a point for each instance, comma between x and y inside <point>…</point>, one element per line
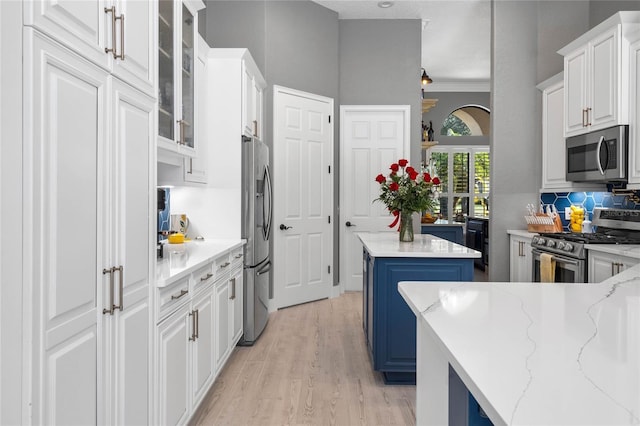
<point>388,322</point>
<point>451,233</point>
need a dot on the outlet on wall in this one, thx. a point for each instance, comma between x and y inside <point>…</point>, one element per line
<point>567,213</point>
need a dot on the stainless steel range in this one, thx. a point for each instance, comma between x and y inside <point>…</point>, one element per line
<point>614,226</point>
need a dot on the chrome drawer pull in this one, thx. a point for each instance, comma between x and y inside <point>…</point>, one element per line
<point>225,265</point>
<point>206,277</point>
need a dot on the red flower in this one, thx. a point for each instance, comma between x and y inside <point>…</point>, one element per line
<point>426,177</point>
<point>394,167</point>
<point>413,175</point>
<point>381,179</point>
<point>393,186</point>
<point>410,170</point>
<point>402,162</point>
<point>436,181</point>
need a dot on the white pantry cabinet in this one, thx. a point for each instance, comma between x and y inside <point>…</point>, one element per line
<point>89,252</point>
<point>520,259</point>
<point>596,76</point>
<point>603,265</point>
<point>177,50</point>
<point>117,35</point>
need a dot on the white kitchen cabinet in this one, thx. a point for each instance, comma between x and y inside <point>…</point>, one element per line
<point>236,300</point>
<point>603,265</point>
<point>222,328</point>
<point>520,259</point>
<point>634,117</point>
<point>203,345</point>
<point>195,168</point>
<point>177,49</point>
<point>174,367</point>
<point>89,254</point>
<point>117,35</point>
<point>252,92</point>
<point>596,76</point>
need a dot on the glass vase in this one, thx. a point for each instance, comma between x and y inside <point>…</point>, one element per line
<point>406,226</point>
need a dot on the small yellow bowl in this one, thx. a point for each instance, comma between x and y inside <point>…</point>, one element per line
<point>176,238</point>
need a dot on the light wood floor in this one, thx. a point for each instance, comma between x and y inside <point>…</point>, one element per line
<point>310,366</point>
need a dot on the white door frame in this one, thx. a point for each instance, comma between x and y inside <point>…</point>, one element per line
<point>277,91</point>
<point>344,110</point>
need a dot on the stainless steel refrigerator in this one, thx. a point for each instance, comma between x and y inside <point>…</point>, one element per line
<point>256,229</point>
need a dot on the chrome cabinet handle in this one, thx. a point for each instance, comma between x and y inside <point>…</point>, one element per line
<point>233,289</point>
<point>225,265</point>
<point>238,256</point>
<point>584,121</point>
<point>111,305</point>
<point>114,18</point>
<point>206,277</point>
<point>190,172</point>
<point>255,128</point>
<point>197,323</point>
<point>194,334</point>
<point>120,269</point>
<point>589,116</point>
<point>182,293</point>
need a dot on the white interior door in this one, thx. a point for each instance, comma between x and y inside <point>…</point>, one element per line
<point>302,191</point>
<point>372,138</point>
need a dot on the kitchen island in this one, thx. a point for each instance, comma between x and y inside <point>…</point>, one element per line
<point>530,353</point>
<point>389,325</point>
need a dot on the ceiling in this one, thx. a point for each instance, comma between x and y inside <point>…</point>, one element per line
<point>455,36</point>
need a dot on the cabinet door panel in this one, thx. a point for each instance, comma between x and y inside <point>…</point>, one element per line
<point>575,97</point>
<point>237,305</point>
<point>203,347</point>
<point>80,25</point>
<point>222,322</point>
<point>174,368</point>
<point>64,193</point>
<point>604,82</point>
<point>139,23</point>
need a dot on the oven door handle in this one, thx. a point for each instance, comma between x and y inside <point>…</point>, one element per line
<point>559,259</point>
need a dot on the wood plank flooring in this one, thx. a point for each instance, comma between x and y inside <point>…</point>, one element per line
<point>309,367</point>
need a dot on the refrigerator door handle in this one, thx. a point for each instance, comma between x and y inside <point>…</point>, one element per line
<point>266,204</point>
<point>265,268</point>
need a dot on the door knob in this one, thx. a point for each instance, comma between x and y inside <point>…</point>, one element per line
<point>349,224</point>
<point>284,227</point>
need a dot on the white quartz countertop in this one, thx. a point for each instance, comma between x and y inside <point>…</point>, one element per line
<point>387,244</point>
<point>629,250</point>
<point>540,354</point>
<point>182,259</point>
<point>443,222</point>
<point>521,233</point>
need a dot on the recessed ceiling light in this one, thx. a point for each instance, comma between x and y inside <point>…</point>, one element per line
<point>385,4</point>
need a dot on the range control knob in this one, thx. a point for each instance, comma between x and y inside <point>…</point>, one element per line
<point>568,247</point>
<point>541,241</point>
<point>551,243</point>
<point>560,245</point>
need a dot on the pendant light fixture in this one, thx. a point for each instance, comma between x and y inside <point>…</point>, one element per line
<point>425,78</point>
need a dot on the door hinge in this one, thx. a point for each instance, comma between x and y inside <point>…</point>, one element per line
<point>329,219</point>
<point>328,269</point>
<point>329,119</point>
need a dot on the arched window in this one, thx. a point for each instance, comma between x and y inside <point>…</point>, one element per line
<point>468,120</point>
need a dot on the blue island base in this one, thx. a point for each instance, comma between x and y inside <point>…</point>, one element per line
<point>399,378</point>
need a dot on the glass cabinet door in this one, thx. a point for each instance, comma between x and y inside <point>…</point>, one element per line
<point>166,55</point>
<point>187,124</point>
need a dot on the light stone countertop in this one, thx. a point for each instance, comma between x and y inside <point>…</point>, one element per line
<point>539,354</point>
<point>182,259</point>
<point>443,222</point>
<point>521,233</point>
<point>629,250</point>
<point>387,244</point>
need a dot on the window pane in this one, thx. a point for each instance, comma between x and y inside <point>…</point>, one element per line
<point>440,207</point>
<point>461,172</point>
<point>482,167</point>
<point>461,206</point>
<point>441,163</point>
<point>480,206</point>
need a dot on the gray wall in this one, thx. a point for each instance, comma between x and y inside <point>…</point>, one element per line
<point>515,131</point>
<point>380,65</point>
<point>446,104</point>
<point>599,10</point>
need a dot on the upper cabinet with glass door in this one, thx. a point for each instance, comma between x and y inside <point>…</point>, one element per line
<point>116,35</point>
<point>178,26</point>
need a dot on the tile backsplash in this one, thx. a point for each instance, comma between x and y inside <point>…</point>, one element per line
<point>588,200</point>
<point>164,215</point>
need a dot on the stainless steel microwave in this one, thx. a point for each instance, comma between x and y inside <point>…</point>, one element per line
<point>599,156</point>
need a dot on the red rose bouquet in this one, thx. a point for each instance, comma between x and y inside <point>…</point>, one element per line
<point>405,191</point>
